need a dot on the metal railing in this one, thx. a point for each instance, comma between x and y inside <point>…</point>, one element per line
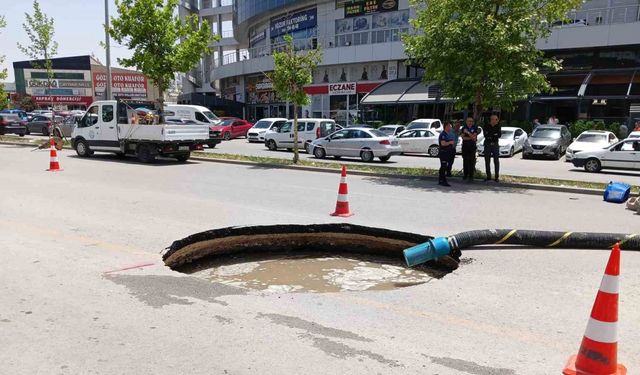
<point>601,16</point>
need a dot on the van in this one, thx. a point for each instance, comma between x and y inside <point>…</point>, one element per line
<point>197,113</point>
<point>260,128</point>
<point>309,129</point>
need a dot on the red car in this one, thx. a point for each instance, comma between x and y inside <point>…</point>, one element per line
<point>229,128</point>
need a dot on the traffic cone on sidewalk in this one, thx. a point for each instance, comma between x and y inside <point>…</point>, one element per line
<point>342,205</point>
<point>54,165</point>
<point>598,354</point>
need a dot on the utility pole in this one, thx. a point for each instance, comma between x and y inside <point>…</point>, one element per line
<point>107,43</point>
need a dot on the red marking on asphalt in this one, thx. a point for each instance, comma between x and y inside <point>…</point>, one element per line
<point>130,267</point>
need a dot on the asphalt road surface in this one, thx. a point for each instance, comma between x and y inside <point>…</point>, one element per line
<point>83,289</point>
<point>515,166</point>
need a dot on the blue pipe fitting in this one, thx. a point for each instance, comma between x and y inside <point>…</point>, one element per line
<point>427,251</point>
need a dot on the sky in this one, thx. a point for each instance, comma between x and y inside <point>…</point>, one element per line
<point>78,29</point>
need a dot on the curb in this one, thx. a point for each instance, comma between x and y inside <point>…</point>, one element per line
<point>553,188</point>
<point>524,186</point>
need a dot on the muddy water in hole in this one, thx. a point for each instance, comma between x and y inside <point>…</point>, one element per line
<point>319,274</point>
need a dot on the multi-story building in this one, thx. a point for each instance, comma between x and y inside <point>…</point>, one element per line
<point>364,71</point>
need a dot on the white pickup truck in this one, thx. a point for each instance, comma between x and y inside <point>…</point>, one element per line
<point>107,127</point>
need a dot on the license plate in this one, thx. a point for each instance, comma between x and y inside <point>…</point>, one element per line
<point>183,148</point>
<point>537,151</point>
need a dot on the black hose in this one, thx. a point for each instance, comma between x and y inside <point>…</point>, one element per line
<point>571,240</point>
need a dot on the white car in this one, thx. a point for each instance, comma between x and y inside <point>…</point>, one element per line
<point>392,130</point>
<point>426,123</point>
<point>257,132</point>
<point>365,143</point>
<point>634,134</point>
<point>420,141</point>
<point>622,155</point>
<point>590,140</point>
<point>511,141</point>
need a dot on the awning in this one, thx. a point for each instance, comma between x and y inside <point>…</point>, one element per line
<point>404,91</point>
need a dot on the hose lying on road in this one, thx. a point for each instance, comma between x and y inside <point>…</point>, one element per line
<point>441,246</point>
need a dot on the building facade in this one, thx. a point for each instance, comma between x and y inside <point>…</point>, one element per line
<point>78,81</point>
<point>363,57</point>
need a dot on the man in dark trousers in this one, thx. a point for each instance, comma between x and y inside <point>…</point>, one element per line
<point>492,134</point>
<point>447,149</point>
<point>469,134</point>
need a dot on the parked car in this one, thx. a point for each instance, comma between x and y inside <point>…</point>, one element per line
<point>426,123</point>
<point>421,141</point>
<point>309,129</point>
<point>622,155</point>
<point>548,141</point>
<point>260,128</point>
<point>634,134</point>
<point>365,143</point>
<point>392,129</point>
<point>16,111</point>
<point>590,140</point>
<point>511,141</point>
<point>479,141</point>
<point>230,127</point>
<point>66,127</point>
<point>199,114</point>
<point>42,124</point>
<point>10,123</point>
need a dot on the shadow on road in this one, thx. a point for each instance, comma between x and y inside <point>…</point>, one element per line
<point>457,185</point>
<point>159,162</point>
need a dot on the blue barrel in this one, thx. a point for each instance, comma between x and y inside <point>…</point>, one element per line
<point>617,192</point>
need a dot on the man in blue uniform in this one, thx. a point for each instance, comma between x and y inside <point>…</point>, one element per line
<point>447,150</point>
<point>492,134</point>
<point>469,134</point>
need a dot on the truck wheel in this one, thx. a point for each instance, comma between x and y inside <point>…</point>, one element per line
<point>183,157</point>
<point>227,136</point>
<point>82,148</point>
<point>145,154</point>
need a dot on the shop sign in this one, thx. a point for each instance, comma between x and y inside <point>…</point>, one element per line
<point>345,88</point>
<point>64,99</point>
<point>305,19</point>
<point>363,7</point>
<point>254,39</point>
<point>131,84</point>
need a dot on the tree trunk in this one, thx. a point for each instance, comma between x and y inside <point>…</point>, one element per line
<point>160,105</point>
<point>296,156</point>
<point>477,106</point>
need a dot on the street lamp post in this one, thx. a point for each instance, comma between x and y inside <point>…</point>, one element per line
<point>108,48</point>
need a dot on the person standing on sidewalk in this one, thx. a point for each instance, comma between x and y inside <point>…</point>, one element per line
<point>492,134</point>
<point>446,149</point>
<point>469,134</point>
<point>454,133</point>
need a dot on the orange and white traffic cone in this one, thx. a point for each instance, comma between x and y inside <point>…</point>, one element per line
<point>54,165</point>
<point>598,354</point>
<point>342,205</point>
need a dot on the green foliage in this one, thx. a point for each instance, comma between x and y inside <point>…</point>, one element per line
<point>484,51</point>
<point>162,44</point>
<point>40,31</point>
<point>293,70</point>
<point>25,102</point>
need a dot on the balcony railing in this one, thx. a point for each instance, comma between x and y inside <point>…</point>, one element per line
<point>214,3</point>
<point>601,16</point>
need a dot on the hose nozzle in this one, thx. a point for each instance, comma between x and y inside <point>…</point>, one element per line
<point>427,251</point>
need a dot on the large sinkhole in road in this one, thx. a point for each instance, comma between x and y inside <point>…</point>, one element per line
<point>302,258</point>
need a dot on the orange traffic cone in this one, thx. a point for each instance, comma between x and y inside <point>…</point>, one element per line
<point>342,205</point>
<point>54,165</point>
<point>598,354</point>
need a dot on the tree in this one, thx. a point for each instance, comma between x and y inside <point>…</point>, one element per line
<point>484,51</point>
<point>25,102</point>
<point>3,72</point>
<point>293,70</point>
<point>162,44</point>
<point>40,30</point>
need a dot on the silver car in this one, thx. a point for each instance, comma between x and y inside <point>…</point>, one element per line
<point>357,142</point>
<point>547,140</point>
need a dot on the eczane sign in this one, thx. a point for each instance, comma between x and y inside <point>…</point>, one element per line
<point>344,88</point>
